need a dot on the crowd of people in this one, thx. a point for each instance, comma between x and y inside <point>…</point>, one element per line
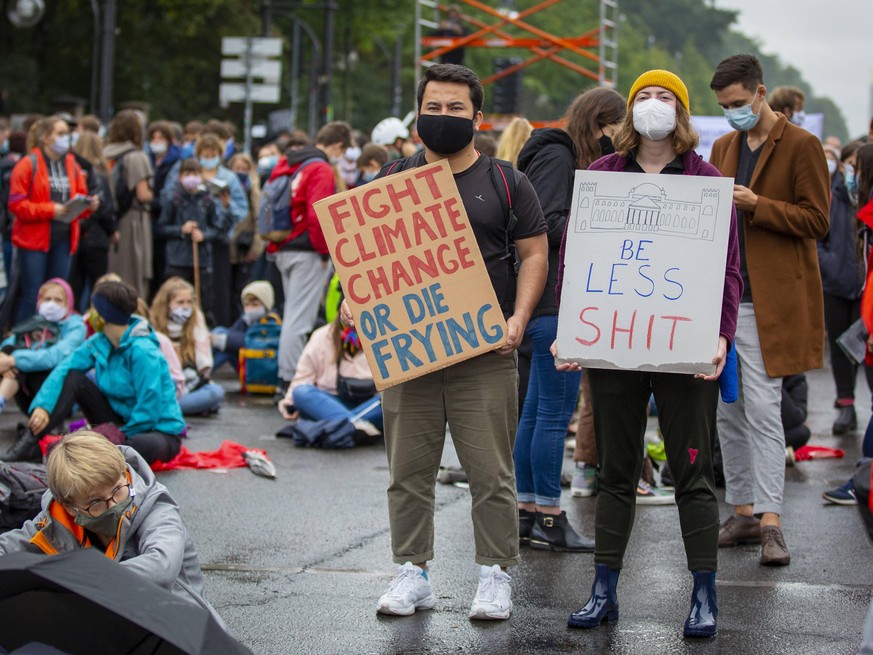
<point>140,257</point>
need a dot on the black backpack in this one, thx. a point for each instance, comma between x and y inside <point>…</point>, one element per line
<point>122,194</point>
<point>22,486</point>
<point>503,179</point>
<point>6,216</point>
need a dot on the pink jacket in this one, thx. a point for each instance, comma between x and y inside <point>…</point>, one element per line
<point>317,365</point>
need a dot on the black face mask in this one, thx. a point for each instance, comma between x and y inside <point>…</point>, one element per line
<point>445,135</point>
<point>606,147</point>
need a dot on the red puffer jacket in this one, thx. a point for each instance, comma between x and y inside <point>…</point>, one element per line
<point>32,206</point>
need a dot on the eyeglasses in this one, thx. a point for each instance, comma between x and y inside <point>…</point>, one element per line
<point>119,494</point>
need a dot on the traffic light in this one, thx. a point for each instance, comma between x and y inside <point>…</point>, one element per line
<point>506,92</point>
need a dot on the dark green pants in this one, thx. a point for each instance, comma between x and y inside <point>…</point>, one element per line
<point>686,413</point>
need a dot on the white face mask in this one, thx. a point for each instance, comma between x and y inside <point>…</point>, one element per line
<point>832,166</point>
<point>654,119</point>
<point>180,315</point>
<point>252,315</point>
<point>51,311</point>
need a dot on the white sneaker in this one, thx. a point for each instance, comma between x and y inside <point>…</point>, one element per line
<point>649,495</point>
<point>367,428</point>
<point>584,482</point>
<point>493,595</point>
<point>408,592</point>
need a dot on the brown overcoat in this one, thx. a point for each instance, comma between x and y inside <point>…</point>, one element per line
<point>791,181</point>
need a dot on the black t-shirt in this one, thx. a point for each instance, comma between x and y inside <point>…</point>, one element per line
<point>745,168</point>
<point>488,220</point>
<point>59,186</point>
<point>675,167</point>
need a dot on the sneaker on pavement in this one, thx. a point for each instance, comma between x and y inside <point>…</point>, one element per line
<point>408,592</point>
<point>649,495</point>
<point>492,600</point>
<point>842,495</point>
<point>584,482</point>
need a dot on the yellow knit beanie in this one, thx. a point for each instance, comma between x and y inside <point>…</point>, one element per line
<point>662,78</point>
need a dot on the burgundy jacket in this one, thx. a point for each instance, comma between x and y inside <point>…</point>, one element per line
<point>733,282</point>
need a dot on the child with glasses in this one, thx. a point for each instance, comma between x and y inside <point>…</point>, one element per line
<point>106,497</point>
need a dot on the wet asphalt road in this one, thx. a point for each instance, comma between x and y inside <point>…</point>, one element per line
<point>296,565</point>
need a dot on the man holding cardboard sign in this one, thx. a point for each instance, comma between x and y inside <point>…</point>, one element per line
<point>476,396</point>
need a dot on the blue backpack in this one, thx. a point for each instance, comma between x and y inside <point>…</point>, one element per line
<point>258,358</point>
<point>275,222</point>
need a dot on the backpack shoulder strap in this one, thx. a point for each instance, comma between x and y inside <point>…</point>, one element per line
<point>34,164</point>
<point>400,165</point>
<point>503,178</point>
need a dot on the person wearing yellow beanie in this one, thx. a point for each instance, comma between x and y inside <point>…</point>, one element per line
<point>656,137</point>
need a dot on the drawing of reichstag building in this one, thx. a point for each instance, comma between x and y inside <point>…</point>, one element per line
<point>646,208</point>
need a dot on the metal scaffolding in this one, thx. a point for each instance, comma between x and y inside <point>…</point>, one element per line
<point>599,45</point>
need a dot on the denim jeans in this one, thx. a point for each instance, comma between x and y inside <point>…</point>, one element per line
<point>205,399</point>
<point>548,406</point>
<point>35,268</point>
<point>316,404</point>
<point>222,357</point>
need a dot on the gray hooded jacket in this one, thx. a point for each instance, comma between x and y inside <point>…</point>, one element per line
<point>152,540</point>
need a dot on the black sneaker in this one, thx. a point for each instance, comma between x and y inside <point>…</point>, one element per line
<point>25,449</point>
<point>554,532</point>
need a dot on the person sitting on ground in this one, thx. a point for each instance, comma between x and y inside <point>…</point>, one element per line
<point>132,387</point>
<point>39,344</point>
<point>333,381</point>
<point>175,312</point>
<point>106,497</point>
<point>258,299</point>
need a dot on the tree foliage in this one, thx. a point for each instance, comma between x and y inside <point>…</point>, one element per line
<point>168,54</point>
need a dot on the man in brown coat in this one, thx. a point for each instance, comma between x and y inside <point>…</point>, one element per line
<point>781,195</point>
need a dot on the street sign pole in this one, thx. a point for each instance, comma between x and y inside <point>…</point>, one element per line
<point>247,116</point>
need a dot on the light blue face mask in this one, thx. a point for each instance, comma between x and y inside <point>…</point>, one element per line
<point>851,180</point>
<point>742,118</point>
<point>4,147</point>
<point>211,163</point>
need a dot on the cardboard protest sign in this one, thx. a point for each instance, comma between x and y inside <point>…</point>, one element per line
<point>412,272</point>
<point>644,271</point>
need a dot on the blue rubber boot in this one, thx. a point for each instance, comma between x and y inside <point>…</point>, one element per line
<point>603,604</point>
<point>701,622</point>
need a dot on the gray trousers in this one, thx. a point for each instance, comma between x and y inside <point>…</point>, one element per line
<point>478,398</point>
<point>304,274</point>
<point>750,430</point>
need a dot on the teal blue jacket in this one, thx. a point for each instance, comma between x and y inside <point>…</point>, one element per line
<point>45,359</point>
<point>134,377</point>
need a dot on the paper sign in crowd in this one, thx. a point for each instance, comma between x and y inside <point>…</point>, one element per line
<point>644,271</point>
<point>412,272</point>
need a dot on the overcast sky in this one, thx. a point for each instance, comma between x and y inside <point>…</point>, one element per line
<point>829,42</point>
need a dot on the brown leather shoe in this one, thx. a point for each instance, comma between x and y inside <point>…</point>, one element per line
<point>738,529</point>
<point>774,552</point>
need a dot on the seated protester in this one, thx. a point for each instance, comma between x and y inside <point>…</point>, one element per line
<point>189,218</point>
<point>332,379</point>
<point>133,388</point>
<point>91,317</point>
<point>39,344</point>
<point>106,497</point>
<point>167,350</point>
<point>175,313</point>
<point>257,299</point>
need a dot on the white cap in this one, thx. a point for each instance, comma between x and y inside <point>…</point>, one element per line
<point>388,130</point>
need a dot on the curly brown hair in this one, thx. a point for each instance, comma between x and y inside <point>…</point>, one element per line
<point>125,126</point>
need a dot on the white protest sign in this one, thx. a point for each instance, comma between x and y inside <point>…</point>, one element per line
<point>644,271</point>
<point>711,127</point>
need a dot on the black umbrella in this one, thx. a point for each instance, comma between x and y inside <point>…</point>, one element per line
<point>81,602</point>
